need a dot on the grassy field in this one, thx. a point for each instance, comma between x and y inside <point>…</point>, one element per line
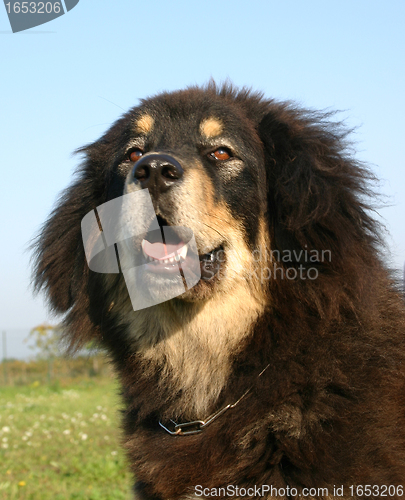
<point>62,442</point>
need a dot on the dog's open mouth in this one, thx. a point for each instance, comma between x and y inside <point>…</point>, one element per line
<point>166,255</point>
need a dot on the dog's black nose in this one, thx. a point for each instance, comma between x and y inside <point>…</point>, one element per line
<point>157,172</point>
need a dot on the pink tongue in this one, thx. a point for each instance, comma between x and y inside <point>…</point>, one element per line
<point>160,251</point>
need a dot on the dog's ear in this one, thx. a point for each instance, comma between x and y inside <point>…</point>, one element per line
<point>317,193</point>
<point>60,267</point>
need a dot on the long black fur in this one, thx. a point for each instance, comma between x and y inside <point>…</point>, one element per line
<point>330,408</point>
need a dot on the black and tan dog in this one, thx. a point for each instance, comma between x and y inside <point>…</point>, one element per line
<point>285,365</point>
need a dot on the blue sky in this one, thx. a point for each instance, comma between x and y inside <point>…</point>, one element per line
<point>65,82</point>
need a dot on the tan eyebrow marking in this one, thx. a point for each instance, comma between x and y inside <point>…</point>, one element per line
<point>211,127</point>
<point>144,124</point>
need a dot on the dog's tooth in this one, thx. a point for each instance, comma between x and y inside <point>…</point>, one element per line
<point>165,261</point>
<point>171,259</point>
<point>143,249</point>
<point>183,252</point>
<point>177,258</point>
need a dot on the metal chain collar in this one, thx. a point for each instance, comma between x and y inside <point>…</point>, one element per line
<point>197,426</point>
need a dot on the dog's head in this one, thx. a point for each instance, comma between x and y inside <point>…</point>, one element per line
<point>251,178</point>
<point>201,159</point>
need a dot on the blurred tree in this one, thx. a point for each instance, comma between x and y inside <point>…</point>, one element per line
<point>47,339</point>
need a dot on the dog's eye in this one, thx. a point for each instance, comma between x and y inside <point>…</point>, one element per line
<point>221,154</point>
<point>135,154</point>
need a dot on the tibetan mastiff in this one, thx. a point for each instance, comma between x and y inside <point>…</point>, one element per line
<point>280,370</point>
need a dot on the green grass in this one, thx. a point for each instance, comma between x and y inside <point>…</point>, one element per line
<point>62,442</point>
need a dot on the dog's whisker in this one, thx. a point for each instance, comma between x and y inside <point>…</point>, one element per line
<point>214,216</point>
<point>216,230</point>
